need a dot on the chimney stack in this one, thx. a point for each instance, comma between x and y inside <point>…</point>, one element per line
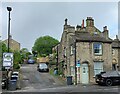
<point>78,27</point>
<point>89,22</point>
<point>105,32</point>
<point>83,23</point>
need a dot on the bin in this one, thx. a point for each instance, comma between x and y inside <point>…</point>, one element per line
<point>69,80</point>
<point>55,72</point>
<point>12,85</point>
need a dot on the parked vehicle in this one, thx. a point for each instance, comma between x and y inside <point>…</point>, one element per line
<point>3,83</point>
<point>42,67</point>
<point>31,61</point>
<point>108,78</point>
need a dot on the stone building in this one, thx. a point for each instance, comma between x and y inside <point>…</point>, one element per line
<point>116,54</point>
<point>87,48</point>
<point>14,45</point>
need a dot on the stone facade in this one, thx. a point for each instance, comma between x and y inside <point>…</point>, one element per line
<point>87,48</point>
<point>14,45</point>
<point>116,54</point>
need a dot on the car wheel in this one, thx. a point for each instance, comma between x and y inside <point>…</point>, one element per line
<point>109,82</point>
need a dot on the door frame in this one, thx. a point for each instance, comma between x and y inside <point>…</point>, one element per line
<point>85,62</point>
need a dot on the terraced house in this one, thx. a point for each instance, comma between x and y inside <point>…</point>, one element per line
<point>88,49</point>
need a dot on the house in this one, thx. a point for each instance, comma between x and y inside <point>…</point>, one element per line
<point>116,54</point>
<point>85,51</point>
<point>14,45</point>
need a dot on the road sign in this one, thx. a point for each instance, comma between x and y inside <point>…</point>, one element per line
<point>7,59</point>
<point>78,63</point>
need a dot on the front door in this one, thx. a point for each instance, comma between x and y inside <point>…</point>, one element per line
<point>85,78</point>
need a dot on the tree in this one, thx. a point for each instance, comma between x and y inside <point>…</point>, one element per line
<point>43,45</point>
<point>17,60</point>
<point>24,53</point>
<point>4,47</point>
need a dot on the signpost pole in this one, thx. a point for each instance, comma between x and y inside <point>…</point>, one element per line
<point>7,63</point>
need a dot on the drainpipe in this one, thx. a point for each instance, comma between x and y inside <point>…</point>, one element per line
<point>75,63</point>
<point>57,58</point>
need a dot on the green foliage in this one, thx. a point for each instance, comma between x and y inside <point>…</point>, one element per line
<point>16,66</point>
<point>24,53</point>
<point>4,47</point>
<point>17,57</point>
<point>43,45</point>
<point>24,50</point>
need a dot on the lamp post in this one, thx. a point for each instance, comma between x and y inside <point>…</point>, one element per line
<point>9,9</point>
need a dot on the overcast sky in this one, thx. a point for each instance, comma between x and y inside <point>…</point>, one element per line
<point>31,20</point>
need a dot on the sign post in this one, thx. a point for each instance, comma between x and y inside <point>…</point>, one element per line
<point>78,63</point>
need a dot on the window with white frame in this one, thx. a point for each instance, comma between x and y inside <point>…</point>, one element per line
<point>98,67</point>
<point>72,71</point>
<point>97,47</point>
<point>71,49</point>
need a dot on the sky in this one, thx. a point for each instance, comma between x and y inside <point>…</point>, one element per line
<point>31,20</point>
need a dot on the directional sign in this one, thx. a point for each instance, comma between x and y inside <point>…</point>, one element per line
<point>78,63</point>
<point>7,59</point>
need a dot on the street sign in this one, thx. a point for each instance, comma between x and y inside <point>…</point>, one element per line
<point>78,63</point>
<point>7,59</point>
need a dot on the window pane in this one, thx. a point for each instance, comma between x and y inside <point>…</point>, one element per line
<point>98,67</point>
<point>72,71</point>
<point>97,48</point>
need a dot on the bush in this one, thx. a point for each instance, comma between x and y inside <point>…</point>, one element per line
<point>16,66</point>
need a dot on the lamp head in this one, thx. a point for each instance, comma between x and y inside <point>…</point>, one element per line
<point>9,8</point>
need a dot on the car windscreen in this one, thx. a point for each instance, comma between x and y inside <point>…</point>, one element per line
<point>110,74</point>
<point>43,65</point>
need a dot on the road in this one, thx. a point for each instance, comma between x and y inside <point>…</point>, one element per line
<point>34,81</point>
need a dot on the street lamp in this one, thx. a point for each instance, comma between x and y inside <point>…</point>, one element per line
<point>9,9</point>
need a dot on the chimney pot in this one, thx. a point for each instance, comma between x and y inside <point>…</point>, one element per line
<point>66,21</point>
<point>105,28</point>
<point>83,23</point>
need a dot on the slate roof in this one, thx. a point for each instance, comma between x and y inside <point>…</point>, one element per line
<point>116,43</point>
<point>86,36</point>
